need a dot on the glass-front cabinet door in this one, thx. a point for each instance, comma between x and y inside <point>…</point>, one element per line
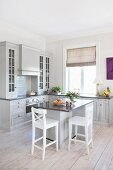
<point>47,72</point>
<point>11,82</point>
<point>11,70</point>
<point>8,65</point>
<point>44,74</point>
<point>41,73</point>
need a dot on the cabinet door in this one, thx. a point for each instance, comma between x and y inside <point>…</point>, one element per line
<point>44,79</point>
<point>11,69</point>
<point>18,111</point>
<point>97,110</point>
<point>41,78</point>
<point>100,110</point>
<point>47,72</point>
<point>8,66</point>
<point>105,111</point>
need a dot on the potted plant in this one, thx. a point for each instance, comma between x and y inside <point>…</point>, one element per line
<point>72,96</point>
<point>56,89</point>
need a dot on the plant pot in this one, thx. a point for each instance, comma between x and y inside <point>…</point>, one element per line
<point>56,93</point>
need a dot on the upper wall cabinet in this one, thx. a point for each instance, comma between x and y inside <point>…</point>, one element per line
<point>44,78</point>
<point>8,69</point>
<point>28,60</point>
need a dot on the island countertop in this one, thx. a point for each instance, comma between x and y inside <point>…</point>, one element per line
<point>49,105</point>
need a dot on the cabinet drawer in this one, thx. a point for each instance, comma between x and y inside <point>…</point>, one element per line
<point>16,119</point>
<point>18,107</point>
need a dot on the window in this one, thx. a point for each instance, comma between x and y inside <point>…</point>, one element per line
<point>81,69</point>
<point>81,79</point>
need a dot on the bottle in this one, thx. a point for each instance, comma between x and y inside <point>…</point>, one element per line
<point>67,104</point>
<point>70,104</point>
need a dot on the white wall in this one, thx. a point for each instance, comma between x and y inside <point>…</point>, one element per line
<point>56,64</point>
<point>104,44</point>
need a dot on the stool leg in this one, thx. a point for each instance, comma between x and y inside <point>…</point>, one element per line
<point>86,136</point>
<point>56,129</point>
<point>76,128</point>
<point>33,140</point>
<point>70,131</point>
<point>44,144</point>
<point>91,135</point>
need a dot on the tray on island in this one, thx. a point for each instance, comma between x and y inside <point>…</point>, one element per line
<point>59,103</point>
<point>63,104</point>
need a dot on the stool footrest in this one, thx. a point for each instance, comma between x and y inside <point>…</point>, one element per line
<point>38,147</point>
<point>51,143</point>
<point>38,139</point>
<point>79,134</point>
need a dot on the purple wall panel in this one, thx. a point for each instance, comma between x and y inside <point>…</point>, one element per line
<point>109,68</point>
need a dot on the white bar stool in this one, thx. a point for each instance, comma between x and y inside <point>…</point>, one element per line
<point>40,121</point>
<point>86,122</point>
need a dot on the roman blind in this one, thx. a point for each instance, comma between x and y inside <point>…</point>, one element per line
<point>81,56</point>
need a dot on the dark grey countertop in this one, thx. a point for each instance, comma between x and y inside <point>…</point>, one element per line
<point>96,97</point>
<point>48,105</point>
<point>92,96</point>
<point>23,97</point>
<point>88,96</point>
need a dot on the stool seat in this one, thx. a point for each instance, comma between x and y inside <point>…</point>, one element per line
<point>80,121</point>
<point>49,123</point>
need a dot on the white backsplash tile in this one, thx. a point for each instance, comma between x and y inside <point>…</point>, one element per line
<point>21,85</point>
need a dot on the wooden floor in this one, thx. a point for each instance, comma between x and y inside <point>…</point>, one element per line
<point>15,153</point>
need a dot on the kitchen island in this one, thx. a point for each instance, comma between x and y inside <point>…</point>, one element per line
<point>102,110</point>
<point>62,114</point>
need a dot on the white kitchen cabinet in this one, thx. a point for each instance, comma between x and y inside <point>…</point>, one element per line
<point>12,113</point>
<point>28,60</point>
<point>8,69</point>
<point>17,111</point>
<point>44,78</point>
<point>103,111</point>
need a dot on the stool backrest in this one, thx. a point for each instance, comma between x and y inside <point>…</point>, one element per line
<point>39,116</point>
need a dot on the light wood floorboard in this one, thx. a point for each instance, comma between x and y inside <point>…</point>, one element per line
<point>15,152</point>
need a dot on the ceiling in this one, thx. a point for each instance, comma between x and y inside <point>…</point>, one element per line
<point>58,19</point>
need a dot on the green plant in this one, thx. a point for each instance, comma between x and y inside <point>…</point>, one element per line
<point>72,95</point>
<point>56,89</point>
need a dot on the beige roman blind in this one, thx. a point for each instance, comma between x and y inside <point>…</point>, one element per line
<point>81,56</point>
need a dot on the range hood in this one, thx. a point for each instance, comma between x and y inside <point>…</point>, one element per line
<point>28,61</point>
<point>29,73</point>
